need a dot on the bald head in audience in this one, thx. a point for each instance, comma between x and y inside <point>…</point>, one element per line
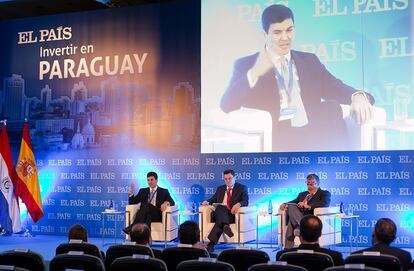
<point>141,234</point>
<point>310,229</point>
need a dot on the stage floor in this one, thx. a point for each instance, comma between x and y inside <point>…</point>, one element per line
<point>46,245</point>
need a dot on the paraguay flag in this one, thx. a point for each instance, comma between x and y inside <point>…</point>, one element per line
<point>9,208</point>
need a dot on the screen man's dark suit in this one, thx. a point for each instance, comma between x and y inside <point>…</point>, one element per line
<point>402,255</point>
<point>316,83</point>
<point>148,213</point>
<point>222,213</point>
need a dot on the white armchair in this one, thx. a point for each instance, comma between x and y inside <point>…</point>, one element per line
<point>331,227</point>
<point>363,136</point>
<point>250,130</point>
<point>244,228</point>
<point>163,231</point>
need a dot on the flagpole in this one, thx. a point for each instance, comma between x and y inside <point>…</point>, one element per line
<point>27,231</point>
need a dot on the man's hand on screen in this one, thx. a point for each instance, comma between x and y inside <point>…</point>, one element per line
<point>262,65</point>
<point>205,203</point>
<point>361,109</point>
<point>283,206</point>
<point>131,189</point>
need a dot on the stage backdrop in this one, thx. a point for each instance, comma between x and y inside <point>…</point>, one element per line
<point>110,95</point>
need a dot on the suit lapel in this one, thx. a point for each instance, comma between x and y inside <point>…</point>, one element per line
<point>234,194</point>
<point>316,195</point>
<point>302,195</point>
<point>222,192</point>
<point>158,197</point>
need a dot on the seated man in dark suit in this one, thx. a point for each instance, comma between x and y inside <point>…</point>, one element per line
<point>141,235</point>
<point>383,235</point>
<point>154,200</point>
<point>233,196</point>
<point>304,204</point>
<point>310,231</point>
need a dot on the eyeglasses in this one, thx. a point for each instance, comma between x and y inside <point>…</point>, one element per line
<point>311,183</point>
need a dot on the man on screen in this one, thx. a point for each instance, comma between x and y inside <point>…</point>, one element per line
<point>154,200</point>
<point>232,196</point>
<point>301,95</point>
<point>304,204</point>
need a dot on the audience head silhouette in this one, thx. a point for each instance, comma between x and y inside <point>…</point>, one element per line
<point>189,233</point>
<point>141,234</point>
<point>385,231</point>
<point>310,229</point>
<point>78,232</point>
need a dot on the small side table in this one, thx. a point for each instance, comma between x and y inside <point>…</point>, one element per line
<point>104,214</point>
<point>351,235</point>
<point>265,214</point>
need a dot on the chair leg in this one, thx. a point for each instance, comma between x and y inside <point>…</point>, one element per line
<point>165,230</point>
<point>238,230</point>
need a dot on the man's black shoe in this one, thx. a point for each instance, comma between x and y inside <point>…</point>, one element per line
<point>127,230</point>
<point>210,247</point>
<point>227,230</point>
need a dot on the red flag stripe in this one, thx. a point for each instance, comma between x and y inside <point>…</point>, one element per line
<point>26,135</point>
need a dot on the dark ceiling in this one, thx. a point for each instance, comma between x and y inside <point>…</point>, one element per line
<point>28,8</point>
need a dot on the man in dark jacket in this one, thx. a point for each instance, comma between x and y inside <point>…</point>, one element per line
<point>154,200</point>
<point>383,235</point>
<point>304,204</point>
<point>310,231</point>
<point>141,235</point>
<point>232,195</point>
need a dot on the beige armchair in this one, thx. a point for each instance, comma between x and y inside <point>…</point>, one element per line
<point>163,231</point>
<point>331,227</point>
<point>244,228</point>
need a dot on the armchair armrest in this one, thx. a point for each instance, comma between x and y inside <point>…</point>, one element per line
<point>206,211</point>
<point>246,218</point>
<point>170,217</point>
<point>171,209</point>
<point>324,211</point>
<point>130,212</point>
<point>247,210</point>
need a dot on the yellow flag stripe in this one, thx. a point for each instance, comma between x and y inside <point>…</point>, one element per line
<point>32,181</point>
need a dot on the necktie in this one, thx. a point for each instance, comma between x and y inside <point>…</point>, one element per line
<point>228,197</point>
<point>284,71</point>
<point>151,195</point>
<point>308,196</point>
<point>283,82</point>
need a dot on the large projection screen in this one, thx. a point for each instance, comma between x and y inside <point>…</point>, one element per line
<point>365,44</point>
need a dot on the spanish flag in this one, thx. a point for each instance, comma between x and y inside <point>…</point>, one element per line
<point>27,180</point>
